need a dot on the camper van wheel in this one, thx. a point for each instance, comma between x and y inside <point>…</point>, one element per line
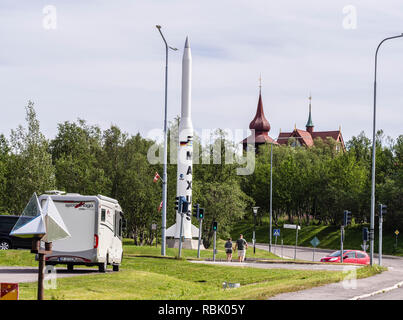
<point>70,267</point>
<point>102,267</point>
<point>115,267</point>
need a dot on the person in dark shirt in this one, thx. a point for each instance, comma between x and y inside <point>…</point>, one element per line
<point>228,249</point>
<point>241,245</point>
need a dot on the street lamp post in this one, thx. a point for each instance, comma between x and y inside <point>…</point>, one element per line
<point>271,189</point>
<point>271,195</point>
<point>254,228</point>
<point>372,223</point>
<point>165,176</point>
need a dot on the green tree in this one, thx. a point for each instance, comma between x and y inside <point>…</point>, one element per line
<point>223,202</point>
<point>76,150</point>
<point>30,166</point>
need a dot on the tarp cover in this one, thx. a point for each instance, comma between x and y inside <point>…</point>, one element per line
<point>30,223</point>
<point>45,223</point>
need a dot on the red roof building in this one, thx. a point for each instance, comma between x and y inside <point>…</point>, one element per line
<point>261,127</point>
<point>307,137</point>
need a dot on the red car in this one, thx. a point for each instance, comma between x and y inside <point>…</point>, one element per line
<point>350,256</point>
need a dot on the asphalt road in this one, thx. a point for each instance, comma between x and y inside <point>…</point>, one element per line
<point>349,289</point>
<point>292,266</point>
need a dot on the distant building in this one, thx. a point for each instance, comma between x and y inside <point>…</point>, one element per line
<point>298,137</point>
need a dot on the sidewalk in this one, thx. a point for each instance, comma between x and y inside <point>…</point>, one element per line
<point>348,289</point>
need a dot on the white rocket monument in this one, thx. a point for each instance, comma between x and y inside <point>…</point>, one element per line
<point>185,158</point>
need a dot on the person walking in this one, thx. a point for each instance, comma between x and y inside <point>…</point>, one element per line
<point>228,249</point>
<point>241,245</point>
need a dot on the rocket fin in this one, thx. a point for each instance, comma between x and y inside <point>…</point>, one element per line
<point>171,231</point>
<point>195,232</point>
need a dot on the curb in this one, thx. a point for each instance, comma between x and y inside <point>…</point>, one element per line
<point>396,286</point>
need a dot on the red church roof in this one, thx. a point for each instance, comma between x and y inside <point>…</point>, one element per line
<point>261,127</point>
<point>307,138</point>
<point>259,122</point>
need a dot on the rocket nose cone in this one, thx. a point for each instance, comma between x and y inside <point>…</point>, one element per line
<point>187,44</point>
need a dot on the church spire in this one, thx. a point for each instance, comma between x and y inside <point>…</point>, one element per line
<point>309,124</point>
<point>259,122</point>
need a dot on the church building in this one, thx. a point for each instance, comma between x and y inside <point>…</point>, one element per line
<point>297,137</point>
<point>261,127</point>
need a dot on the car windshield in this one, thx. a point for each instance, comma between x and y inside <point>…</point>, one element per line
<point>336,254</point>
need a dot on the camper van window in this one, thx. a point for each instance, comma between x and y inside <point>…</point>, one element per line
<point>115,227</point>
<point>120,227</point>
<point>103,215</point>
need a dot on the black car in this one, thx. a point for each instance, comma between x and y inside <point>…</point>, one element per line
<point>6,241</point>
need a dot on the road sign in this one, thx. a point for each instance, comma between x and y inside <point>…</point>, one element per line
<point>315,242</point>
<point>9,291</point>
<point>397,232</point>
<point>276,232</point>
<point>291,226</point>
<point>154,226</point>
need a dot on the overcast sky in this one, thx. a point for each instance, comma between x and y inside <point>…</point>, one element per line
<point>104,62</point>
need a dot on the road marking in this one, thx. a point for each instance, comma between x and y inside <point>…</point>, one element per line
<point>396,286</point>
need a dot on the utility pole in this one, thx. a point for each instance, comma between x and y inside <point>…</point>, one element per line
<point>215,227</point>
<point>180,235</point>
<point>382,211</point>
<point>165,175</point>
<point>341,243</point>
<point>214,250</point>
<point>198,246</point>
<point>296,243</point>
<point>372,222</point>
<point>254,209</point>
<point>271,195</point>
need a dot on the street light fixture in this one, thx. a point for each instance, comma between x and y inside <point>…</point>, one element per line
<point>372,223</point>
<point>164,176</point>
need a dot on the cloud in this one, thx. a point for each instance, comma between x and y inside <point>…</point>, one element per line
<point>105,63</point>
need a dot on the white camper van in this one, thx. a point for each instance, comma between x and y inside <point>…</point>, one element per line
<point>95,225</point>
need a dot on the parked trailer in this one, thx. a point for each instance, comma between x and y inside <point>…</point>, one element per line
<point>95,225</point>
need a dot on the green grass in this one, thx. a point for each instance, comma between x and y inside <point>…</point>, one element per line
<point>192,254</point>
<point>146,275</point>
<point>329,236</point>
<point>25,258</point>
<point>155,278</point>
<point>17,258</point>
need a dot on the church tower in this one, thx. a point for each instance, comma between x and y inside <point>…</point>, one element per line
<point>260,125</point>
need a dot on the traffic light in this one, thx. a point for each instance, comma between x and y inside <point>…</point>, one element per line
<point>178,204</point>
<point>196,210</point>
<point>382,209</point>
<point>215,225</point>
<point>181,205</point>
<point>364,234</point>
<point>201,214</point>
<point>185,205</point>
<point>347,218</point>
